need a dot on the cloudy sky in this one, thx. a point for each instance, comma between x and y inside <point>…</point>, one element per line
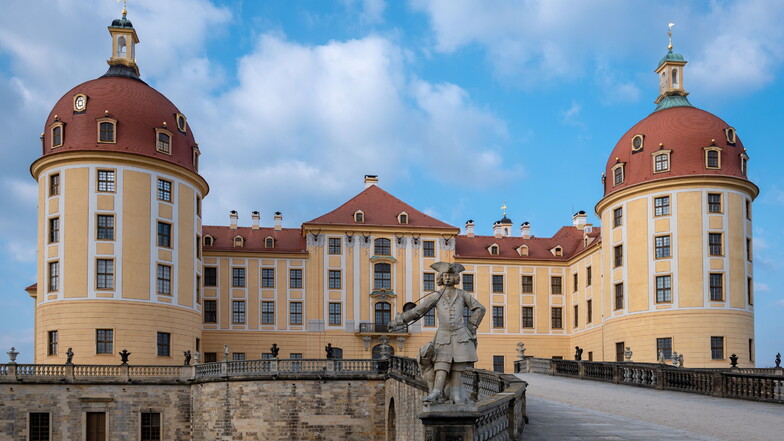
<point>458,106</point>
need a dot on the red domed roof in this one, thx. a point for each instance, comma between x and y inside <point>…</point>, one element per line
<point>686,131</point>
<point>139,110</point>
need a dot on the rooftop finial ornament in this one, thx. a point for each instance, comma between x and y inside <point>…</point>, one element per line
<point>669,34</point>
<point>503,207</point>
<point>124,11</point>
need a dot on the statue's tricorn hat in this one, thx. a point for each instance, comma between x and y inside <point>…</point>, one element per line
<point>446,267</point>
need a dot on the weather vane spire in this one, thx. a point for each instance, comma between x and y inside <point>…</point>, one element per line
<point>503,207</point>
<point>669,34</point>
<point>124,11</point>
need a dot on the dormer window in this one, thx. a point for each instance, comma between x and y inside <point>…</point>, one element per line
<point>181,122</point>
<point>80,103</point>
<point>713,158</point>
<point>493,249</point>
<point>402,218</point>
<point>618,174</point>
<point>637,142</point>
<point>58,134</point>
<point>557,251</point>
<point>661,161</point>
<point>522,250</point>
<point>238,241</point>
<point>196,154</point>
<point>359,217</point>
<point>730,134</point>
<point>163,141</point>
<point>107,131</point>
<point>744,163</point>
<point>208,241</point>
<point>269,242</point>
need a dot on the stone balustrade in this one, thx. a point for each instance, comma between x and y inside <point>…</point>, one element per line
<point>747,383</point>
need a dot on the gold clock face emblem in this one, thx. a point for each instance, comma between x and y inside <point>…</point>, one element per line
<point>80,103</point>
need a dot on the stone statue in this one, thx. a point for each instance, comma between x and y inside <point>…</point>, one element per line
<point>330,352</point>
<point>274,350</point>
<point>520,350</point>
<point>778,359</point>
<point>225,352</point>
<point>453,350</point>
<point>124,356</point>
<point>661,356</point>
<point>733,360</point>
<point>69,356</point>
<point>196,357</point>
<point>187,355</point>
<point>578,353</point>
<point>628,353</point>
<point>680,360</point>
<point>675,359</point>
<point>12,355</point>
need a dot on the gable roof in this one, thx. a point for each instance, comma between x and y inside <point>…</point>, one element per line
<point>380,209</point>
<point>568,237</point>
<point>287,240</point>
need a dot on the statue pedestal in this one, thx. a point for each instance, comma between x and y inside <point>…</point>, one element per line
<point>449,422</point>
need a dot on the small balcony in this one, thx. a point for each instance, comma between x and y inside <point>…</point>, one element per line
<point>369,328</point>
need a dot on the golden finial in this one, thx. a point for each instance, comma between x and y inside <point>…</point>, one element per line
<point>503,207</point>
<point>669,34</point>
<point>124,11</point>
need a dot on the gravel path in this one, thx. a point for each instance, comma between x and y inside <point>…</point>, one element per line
<point>566,409</point>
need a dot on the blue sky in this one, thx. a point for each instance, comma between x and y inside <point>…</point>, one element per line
<point>458,106</point>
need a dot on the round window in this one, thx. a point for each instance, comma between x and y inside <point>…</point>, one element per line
<point>637,142</point>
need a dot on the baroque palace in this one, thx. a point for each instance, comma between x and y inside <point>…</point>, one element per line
<point>124,261</point>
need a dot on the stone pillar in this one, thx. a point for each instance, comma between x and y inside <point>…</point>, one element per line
<point>449,422</point>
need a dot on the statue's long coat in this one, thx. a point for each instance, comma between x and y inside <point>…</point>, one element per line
<point>453,341</point>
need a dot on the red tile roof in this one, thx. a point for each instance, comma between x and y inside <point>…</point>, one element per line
<point>33,287</point>
<point>569,238</point>
<point>381,209</point>
<point>685,131</point>
<point>287,240</point>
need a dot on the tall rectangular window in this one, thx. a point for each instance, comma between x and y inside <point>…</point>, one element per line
<point>528,284</point>
<point>716,286</point>
<point>429,281</point>
<point>661,162</point>
<point>588,276</point>
<point>748,249</point>
<point>106,132</point>
<point>714,202</point>
<point>295,278</point>
<point>498,283</point>
<point>267,313</point>
<point>39,426</point>
<point>52,343</point>
<point>429,319</point>
<point>164,279</point>
<point>164,234</point>
<point>617,256</point>
<point>54,276</point>
<point>164,344</point>
<point>575,279</point>
<point>103,341</point>
<point>428,248</point>
<point>54,230</point>
<point>151,426</point>
<point>238,277</point>
<point>238,356</point>
<point>556,317</point>
<point>105,227</point>
<point>717,348</point>
<point>528,316</point>
<point>106,181</point>
<point>619,352</point>
<point>589,315</point>
<point>198,289</point>
<point>210,276</point>
<point>238,312</point>
<point>267,278</point>
<point>749,290</point>
<point>468,282</point>
<point>335,314</point>
<point>619,296</point>
<point>334,245</point>
<point>714,244</point>
<point>618,217</point>
<point>104,274</point>
<point>712,160</point>
<point>164,190</point>
<point>664,345</point>
<point>576,316</point>
<point>295,313</point>
<point>210,311</point>
<point>748,209</point>
<point>498,363</point>
<point>335,279</point>
<point>498,316</point>
<point>662,246</point>
<point>663,289</point>
<point>661,206</point>
<point>54,184</point>
<point>556,285</point>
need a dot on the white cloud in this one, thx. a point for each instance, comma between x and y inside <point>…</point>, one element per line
<point>761,287</point>
<point>571,116</point>
<point>370,11</point>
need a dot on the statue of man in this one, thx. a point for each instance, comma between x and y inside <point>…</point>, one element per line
<point>454,345</point>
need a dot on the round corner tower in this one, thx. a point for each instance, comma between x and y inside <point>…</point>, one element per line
<point>119,221</point>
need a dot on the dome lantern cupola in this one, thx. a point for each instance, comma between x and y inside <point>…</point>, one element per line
<point>670,71</point>
<point>124,40</point>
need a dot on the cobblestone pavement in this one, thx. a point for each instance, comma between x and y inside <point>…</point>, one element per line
<point>566,409</point>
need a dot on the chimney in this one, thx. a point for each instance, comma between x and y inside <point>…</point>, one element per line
<point>278,221</point>
<point>233,219</point>
<point>525,230</point>
<point>469,228</point>
<point>256,217</point>
<point>498,229</point>
<point>371,180</point>
<point>579,219</point>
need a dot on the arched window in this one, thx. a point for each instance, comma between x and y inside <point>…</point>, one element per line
<point>383,315</point>
<point>712,159</point>
<point>269,242</point>
<point>382,276</point>
<point>381,247</point>
<point>107,130</point>
<point>377,351</point>
<point>675,77</point>
<point>238,241</point>
<point>164,142</point>
<point>494,250</point>
<point>208,241</point>
<point>122,47</point>
<point>359,217</point>
<point>57,136</point>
